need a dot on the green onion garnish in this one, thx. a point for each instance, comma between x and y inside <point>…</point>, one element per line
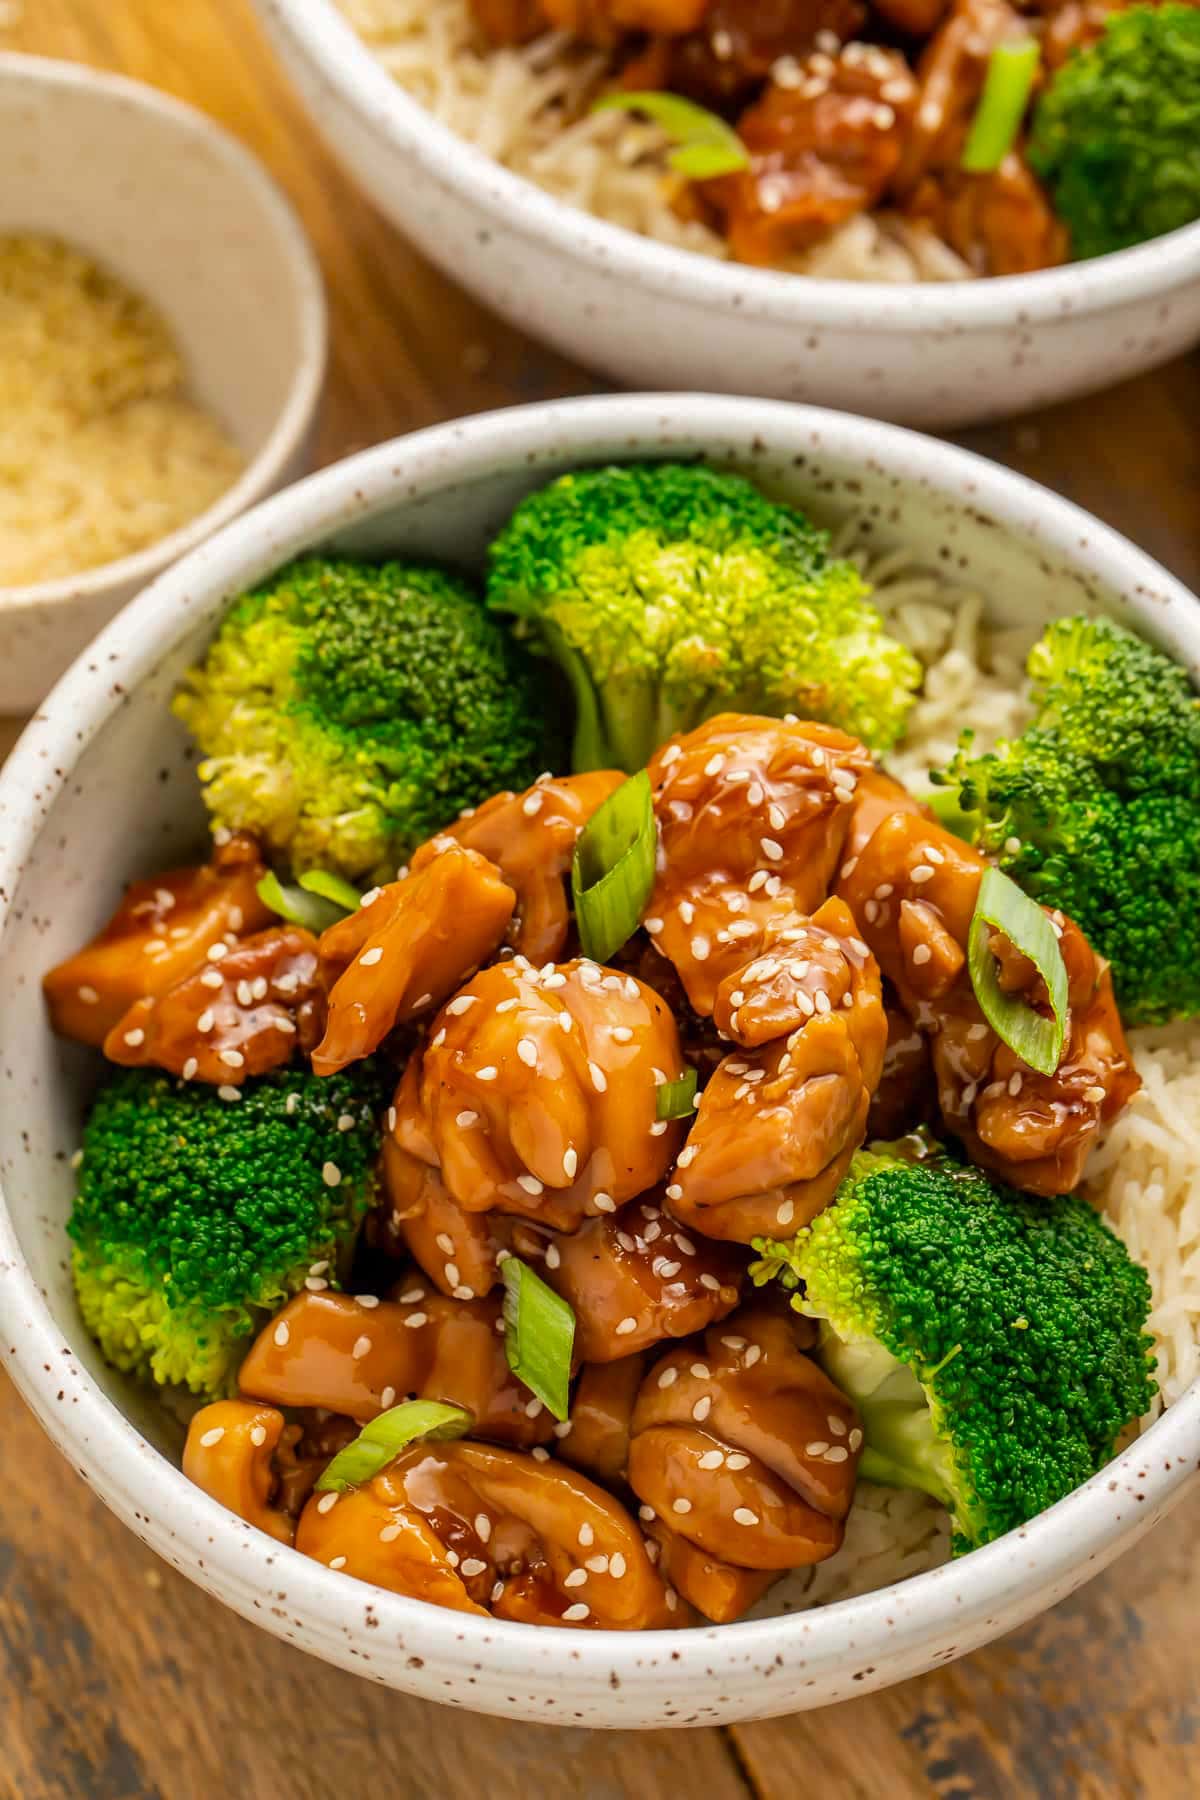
<point>1002,906</point>
<point>314,905</point>
<point>612,874</point>
<point>706,145</point>
<point>539,1333</point>
<point>331,887</point>
<point>384,1438</point>
<point>1006,88</point>
<point>676,1099</point>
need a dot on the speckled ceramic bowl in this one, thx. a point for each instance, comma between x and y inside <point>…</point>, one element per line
<point>102,787</point>
<point>177,208</point>
<point>651,315</point>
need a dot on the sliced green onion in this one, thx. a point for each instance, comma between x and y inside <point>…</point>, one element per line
<point>1010,75</point>
<point>539,1334</point>
<point>612,873</point>
<point>384,1438</point>
<point>1002,906</point>
<point>676,1099</point>
<point>331,887</point>
<point>706,145</point>
<point>298,907</point>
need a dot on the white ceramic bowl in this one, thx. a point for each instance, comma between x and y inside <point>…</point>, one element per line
<point>173,204</point>
<point>102,786</point>
<point>654,316</point>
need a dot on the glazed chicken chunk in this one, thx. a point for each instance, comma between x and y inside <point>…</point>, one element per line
<point>408,947</point>
<point>249,1011</point>
<point>634,1279</point>
<point>752,815</point>
<point>483,1529</point>
<point>825,139</point>
<point>537,1091</point>
<point>359,1356</point>
<point>914,891</point>
<point>745,1449</point>
<point>778,1124</point>
<point>455,1248</point>
<point>162,929</point>
<point>531,839</point>
<point>230,1451</point>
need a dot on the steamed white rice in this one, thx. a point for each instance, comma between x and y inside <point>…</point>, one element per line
<point>528,108</point>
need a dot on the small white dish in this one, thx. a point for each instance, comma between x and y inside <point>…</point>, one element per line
<point>650,315</point>
<point>178,209</point>
<point>103,785</point>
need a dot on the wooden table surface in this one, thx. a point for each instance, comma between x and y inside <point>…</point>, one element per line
<point>120,1681</point>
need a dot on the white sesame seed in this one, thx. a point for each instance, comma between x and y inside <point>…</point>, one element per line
<point>575,1579</point>
<point>616,1566</point>
<point>702,1408</point>
<point>674,1192</point>
<point>487,1074</point>
<point>684,1243</point>
<point>659,1127</point>
<point>533,1408</point>
<point>531,805</point>
<point>921,954</point>
<point>687,911</point>
<point>316,1284</point>
<point>564,1428</point>
<point>710,1282</point>
<point>1015,1083</point>
<point>1012,846</point>
<point>743,1516</point>
<point>211,978</point>
<point>362,1346</point>
<point>625,1326</point>
<point>586,1534</point>
<point>772,850</point>
<point>209,1438</point>
<point>531,1184</point>
<point>217,952</point>
<point>463,1004</point>
<point>817,1448</point>
<point>734,1343</point>
<point>753,1353</point>
<point>837,1426</point>
<point>921,873</point>
<point>856,1438</point>
<point>599,1078</point>
<point>206,1021</point>
<point>653,926</point>
<point>281,1334</point>
<point>671,754</point>
<point>570,1162</point>
<point>575,1613</point>
<point>646,1513</point>
<point>604,1203</point>
<point>411,1296</point>
<point>331,1175</point>
<point>553,1256</point>
<point>228,1093</point>
<point>786,1213</point>
<point>337,1562</point>
<point>528,1052</point>
<point>700,947</point>
<point>736,1460</point>
<point>483,1527</point>
<point>712,1459</point>
<point>233,1059</point>
<point>291,1103</point>
<point>88,995</point>
<point>390,1533</point>
<point>681,1506</point>
<point>848,868</point>
<point>422,1000</point>
<point>472,1566</point>
<point>465,1119</point>
<point>1095,1095</point>
<point>189,1068</point>
<point>416,1319</point>
<point>245,993</point>
<point>327,1502</point>
<point>838,1454</point>
<point>388,1398</point>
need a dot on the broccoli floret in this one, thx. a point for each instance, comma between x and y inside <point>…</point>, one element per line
<point>1116,134</point>
<point>348,709</point>
<point>1096,807</point>
<point>993,1342</point>
<point>669,593</point>
<point>195,1214</point>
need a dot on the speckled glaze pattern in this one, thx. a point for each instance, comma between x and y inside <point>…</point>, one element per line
<point>650,315</point>
<point>101,787</point>
<point>186,216</point>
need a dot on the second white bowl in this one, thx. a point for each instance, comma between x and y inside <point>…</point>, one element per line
<point>650,315</point>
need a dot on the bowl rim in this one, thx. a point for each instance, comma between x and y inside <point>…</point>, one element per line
<point>266,467</point>
<point>352,74</point>
<point>230,1558</point>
